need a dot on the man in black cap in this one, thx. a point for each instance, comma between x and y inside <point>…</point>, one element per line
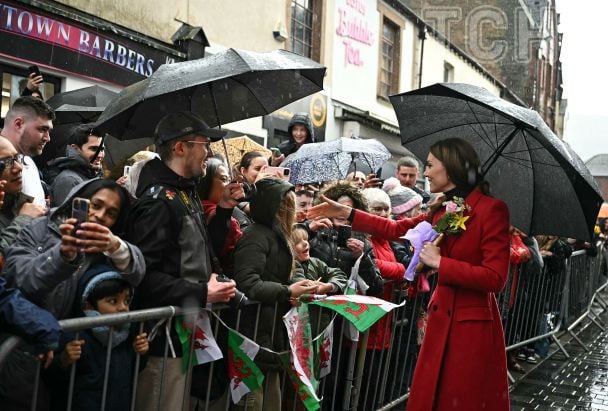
<point>167,224</point>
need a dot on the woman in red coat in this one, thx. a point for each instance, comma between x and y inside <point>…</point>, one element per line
<point>462,362</point>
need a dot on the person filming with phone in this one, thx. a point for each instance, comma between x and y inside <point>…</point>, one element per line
<point>51,253</point>
<point>34,82</point>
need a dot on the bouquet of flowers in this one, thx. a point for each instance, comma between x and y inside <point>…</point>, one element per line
<point>452,222</point>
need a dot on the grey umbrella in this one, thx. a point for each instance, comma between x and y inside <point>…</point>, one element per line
<point>228,86</point>
<point>546,185</point>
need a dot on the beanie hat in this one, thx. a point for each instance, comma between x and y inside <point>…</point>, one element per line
<point>94,276</point>
<point>403,199</point>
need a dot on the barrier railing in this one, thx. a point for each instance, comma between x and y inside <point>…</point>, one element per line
<point>535,305</point>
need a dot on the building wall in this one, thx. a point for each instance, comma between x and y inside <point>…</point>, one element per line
<point>237,23</point>
<point>436,54</point>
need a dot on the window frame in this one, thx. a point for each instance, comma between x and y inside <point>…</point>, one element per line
<point>398,22</point>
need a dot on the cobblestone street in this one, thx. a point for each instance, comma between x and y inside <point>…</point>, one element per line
<point>577,383</point>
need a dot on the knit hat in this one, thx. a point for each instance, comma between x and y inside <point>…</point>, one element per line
<point>376,196</point>
<point>403,199</point>
<point>94,276</point>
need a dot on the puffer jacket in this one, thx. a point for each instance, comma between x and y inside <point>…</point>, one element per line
<point>35,266</point>
<point>263,267</point>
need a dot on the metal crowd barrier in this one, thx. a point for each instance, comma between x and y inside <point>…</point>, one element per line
<point>534,306</point>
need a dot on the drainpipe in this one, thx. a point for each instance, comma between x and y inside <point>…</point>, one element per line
<point>422,37</point>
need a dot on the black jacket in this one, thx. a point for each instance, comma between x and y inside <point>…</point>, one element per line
<point>324,246</point>
<point>167,224</point>
<point>263,265</point>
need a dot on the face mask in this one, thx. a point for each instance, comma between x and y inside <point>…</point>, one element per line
<point>120,333</point>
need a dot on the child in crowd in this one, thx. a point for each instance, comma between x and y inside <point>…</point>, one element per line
<point>329,280</point>
<point>104,292</point>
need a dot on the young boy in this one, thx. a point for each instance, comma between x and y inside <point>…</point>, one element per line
<point>104,292</point>
<point>329,280</point>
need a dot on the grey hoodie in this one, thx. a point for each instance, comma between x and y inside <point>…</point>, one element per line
<point>34,264</point>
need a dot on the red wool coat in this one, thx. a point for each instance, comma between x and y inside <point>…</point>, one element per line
<point>462,363</point>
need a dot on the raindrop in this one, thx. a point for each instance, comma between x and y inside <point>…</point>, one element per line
<point>225,86</point>
<point>242,108</point>
<point>289,95</point>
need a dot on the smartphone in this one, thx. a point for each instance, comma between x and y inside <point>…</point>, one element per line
<point>275,152</point>
<point>126,170</point>
<point>80,210</point>
<point>344,233</point>
<point>34,69</point>
<point>282,172</point>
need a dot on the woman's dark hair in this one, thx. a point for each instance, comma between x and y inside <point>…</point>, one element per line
<point>93,187</point>
<point>248,158</point>
<point>461,163</point>
<point>205,184</point>
<point>108,288</point>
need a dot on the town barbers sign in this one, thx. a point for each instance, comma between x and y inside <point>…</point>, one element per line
<point>96,52</point>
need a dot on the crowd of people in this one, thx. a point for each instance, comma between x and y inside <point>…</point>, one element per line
<point>185,228</point>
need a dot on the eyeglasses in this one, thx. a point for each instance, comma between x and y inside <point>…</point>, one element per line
<point>206,143</point>
<point>9,162</point>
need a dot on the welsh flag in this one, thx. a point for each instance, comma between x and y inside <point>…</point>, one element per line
<point>323,347</point>
<point>245,376</point>
<point>301,365</point>
<point>361,310</point>
<point>205,347</point>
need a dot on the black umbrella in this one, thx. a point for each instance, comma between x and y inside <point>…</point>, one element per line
<point>93,96</point>
<point>548,188</point>
<point>228,86</point>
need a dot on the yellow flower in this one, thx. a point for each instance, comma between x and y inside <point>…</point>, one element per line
<point>459,224</point>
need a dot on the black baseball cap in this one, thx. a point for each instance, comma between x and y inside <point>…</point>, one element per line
<point>183,123</point>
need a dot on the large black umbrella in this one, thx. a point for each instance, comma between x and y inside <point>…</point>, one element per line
<point>547,187</point>
<point>228,86</point>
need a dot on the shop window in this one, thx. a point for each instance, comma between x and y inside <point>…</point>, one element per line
<point>14,80</point>
<point>388,76</point>
<point>305,38</point>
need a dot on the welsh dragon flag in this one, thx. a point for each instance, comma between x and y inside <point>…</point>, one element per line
<point>361,310</point>
<point>244,375</point>
<point>300,367</point>
<point>205,347</point>
<point>323,347</point>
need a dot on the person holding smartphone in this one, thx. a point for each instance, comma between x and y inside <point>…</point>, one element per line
<point>43,261</point>
<point>51,253</point>
<point>34,82</point>
<point>300,132</point>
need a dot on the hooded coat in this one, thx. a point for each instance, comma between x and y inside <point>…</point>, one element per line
<point>289,146</point>
<point>71,170</point>
<point>34,263</point>
<point>462,363</point>
<point>263,266</point>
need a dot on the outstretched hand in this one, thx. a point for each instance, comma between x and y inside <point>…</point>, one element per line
<point>328,209</point>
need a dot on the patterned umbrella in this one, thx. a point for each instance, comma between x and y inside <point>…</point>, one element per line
<point>237,146</point>
<point>330,160</point>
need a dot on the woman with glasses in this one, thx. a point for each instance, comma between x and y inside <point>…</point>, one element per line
<point>18,209</point>
<point>212,191</point>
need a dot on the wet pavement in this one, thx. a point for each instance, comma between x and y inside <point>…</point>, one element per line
<point>559,383</point>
